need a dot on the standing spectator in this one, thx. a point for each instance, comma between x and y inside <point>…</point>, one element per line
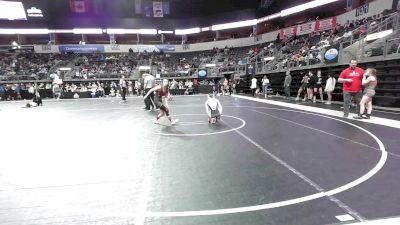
<point>225,87</point>
<point>122,84</point>
<point>138,87</point>
<point>17,91</point>
<point>312,83</point>
<point>303,87</point>
<point>234,83</point>
<point>230,86</point>
<point>330,87</point>
<point>253,86</point>
<point>2,90</point>
<point>196,86</point>
<point>351,79</point>
<point>286,84</point>
<point>56,91</point>
<point>180,84</point>
<point>318,87</point>
<point>130,88</point>
<point>265,84</point>
<point>31,91</point>
<point>370,81</point>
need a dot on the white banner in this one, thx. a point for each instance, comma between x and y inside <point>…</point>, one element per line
<point>306,28</point>
<point>158,9</point>
<point>327,24</point>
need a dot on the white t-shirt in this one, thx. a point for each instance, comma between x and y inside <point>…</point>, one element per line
<point>253,83</point>
<point>122,83</point>
<point>265,81</point>
<point>214,104</point>
<point>149,81</point>
<point>330,84</point>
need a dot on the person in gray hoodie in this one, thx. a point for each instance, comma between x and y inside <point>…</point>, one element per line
<point>287,83</point>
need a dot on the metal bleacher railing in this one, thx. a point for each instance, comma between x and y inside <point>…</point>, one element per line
<point>349,47</point>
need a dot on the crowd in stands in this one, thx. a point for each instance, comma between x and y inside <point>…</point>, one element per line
<point>97,89</point>
<point>90,66</point>
<point>292,51</point>
<point>35,66</point>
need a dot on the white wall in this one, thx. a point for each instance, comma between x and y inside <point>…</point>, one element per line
<point>375,7</point>
<point>125,48</point>
<point>240,42</point>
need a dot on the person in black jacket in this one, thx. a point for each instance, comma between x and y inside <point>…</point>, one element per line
<point>312,83</point>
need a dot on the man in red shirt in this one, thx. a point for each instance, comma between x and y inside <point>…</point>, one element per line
<point>351,79</point>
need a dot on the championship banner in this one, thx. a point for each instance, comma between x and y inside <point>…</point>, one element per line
<point>288,32</point>
<point>81,48</point>
<point>158,9</point>
<point>165,48</point>
<point>79,6</point>
<point>396,5</point>
<point>327,24</point>
<point>306,28</point>
<point>362,10</point>
<point>138,6</point>
<point>349,5</point>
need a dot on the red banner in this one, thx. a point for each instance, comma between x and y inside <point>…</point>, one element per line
<point>306,28</point>
<point>288,32</point>
<point>79,6</point>
<point>327,24</point>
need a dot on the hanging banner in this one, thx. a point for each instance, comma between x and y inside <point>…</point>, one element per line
<point>288,32</point>
<point>138,6</point>
<point>327,24</point>
<point>306,28</point>
<point>349,5</point>
<point>362,10</point>
<point>158,9</point>
<point>396,5</point>
<point>251,69</point>
<point>112,38</point>
<point>79,6</point>
<point>166,8</point>
<point>81,48</point>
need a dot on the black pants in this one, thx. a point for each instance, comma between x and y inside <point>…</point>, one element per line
<point>149,101</point>
<point>38,100</point>
<point>124,93</point>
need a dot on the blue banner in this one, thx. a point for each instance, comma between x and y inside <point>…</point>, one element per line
<point>349,5</point>
<point>166,48</point>
<point>81,48</point>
